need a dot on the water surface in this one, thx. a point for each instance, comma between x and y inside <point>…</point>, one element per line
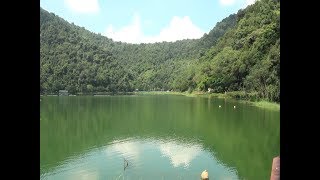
<point>160,136</point>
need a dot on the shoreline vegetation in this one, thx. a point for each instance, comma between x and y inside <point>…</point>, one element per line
<point>230,95</point>
<point>243,97</point>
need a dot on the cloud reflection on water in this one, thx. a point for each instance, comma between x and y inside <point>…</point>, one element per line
<point>145,156</point>
<point>179,154</point>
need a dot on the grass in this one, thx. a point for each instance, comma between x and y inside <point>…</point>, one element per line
<point>267,105</point>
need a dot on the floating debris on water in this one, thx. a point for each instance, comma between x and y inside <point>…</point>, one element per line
<point>205,175</point>
<point>125,164</point>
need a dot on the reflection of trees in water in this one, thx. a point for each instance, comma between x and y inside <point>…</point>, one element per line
<point>239,138</point>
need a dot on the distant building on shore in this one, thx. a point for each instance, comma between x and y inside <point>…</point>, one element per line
<point>63,93</point>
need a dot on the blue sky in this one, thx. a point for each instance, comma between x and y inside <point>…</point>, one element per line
<point>145,21</point>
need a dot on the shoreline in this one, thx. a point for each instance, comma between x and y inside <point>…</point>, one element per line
<point>259,103</point>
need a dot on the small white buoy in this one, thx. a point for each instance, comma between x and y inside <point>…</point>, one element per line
<point>204,175</point>
<point>219,106</point>
<point>234,107</point>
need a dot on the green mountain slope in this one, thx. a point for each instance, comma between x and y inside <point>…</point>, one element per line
<point>247,57</point>
<point>241,53</point>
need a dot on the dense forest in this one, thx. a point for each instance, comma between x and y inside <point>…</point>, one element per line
<point>240,54</point>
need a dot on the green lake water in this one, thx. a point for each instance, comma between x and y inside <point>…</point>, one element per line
<point>156,137</point>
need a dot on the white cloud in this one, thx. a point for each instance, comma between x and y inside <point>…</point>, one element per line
<point>83,6</point>
<point>249,2</point>
<point>178,29</point>
<point>246,3</point>
<point>131,33</point>
<point>227,2</point>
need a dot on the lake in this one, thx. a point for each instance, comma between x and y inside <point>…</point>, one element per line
<point>156,137</point>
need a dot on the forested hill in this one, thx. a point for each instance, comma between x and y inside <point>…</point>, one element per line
<point>241,53</point>
<point>75,59</point>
